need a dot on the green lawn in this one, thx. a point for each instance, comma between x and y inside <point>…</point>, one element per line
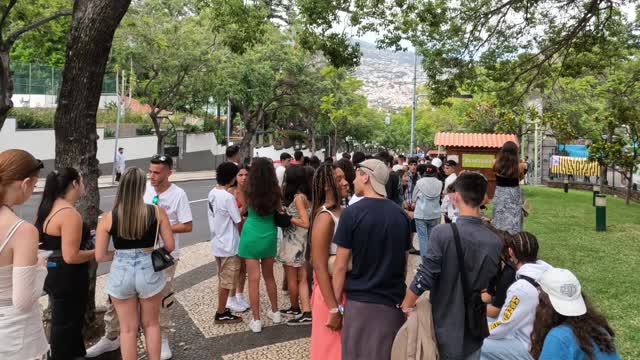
<point>607,264</point>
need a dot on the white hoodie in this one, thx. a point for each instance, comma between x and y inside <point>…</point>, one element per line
<point>519,310</point>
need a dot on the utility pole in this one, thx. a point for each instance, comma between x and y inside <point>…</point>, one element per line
<point>115,151</point>
<point>413,102</point>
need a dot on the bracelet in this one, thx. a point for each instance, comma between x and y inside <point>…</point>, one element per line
<point>408,310</point>
<point>334,311</point>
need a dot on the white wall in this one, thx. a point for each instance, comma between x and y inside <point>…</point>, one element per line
<point>49,101</point>
<point>271,152</point>
<point>41,143</point>
<point>202,142</point>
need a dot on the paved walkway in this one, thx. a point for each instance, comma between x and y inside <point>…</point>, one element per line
<point>196,337</point>
<point>107,181</point>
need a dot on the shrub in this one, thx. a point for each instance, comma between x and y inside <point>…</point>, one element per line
<point>109,133</point>
<point>30,118</point>
<point>144,129</point>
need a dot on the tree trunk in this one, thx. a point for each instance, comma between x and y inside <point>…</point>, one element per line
<point>88,46</point>
<point>159,134</point>
<point>6,85</point>
<point>251,121</point>
<point>334,148</point>
<point>627,198</point>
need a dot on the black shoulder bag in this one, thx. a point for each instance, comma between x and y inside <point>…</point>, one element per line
<point>160,258</point>
<point>475,310</point>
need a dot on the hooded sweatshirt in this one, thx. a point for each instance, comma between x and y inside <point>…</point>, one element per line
<point>426,196</point>
<point>519,310</point>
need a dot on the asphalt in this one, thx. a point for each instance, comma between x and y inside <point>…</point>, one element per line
<point>196,190</point>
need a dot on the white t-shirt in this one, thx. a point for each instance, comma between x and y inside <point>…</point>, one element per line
<point>175,202</point>
<point>280,174</point>
<point>120,162</point>
<point>354,199</point>
<point>223,214</point>
<point>448,181</point>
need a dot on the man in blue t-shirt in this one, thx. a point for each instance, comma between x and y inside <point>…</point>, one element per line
<point>376,234</point>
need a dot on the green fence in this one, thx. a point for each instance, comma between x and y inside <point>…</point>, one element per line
<point>36,79</point>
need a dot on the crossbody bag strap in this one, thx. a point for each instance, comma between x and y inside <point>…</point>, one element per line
<point>155,244</point>
<point>461,267</point>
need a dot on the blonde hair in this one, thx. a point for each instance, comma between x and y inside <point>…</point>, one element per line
<point>133,213</point>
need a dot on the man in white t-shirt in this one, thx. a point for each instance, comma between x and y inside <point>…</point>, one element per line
<point>285,161</point>
<point>160,191</point>
<point>224,217</point>
<point>449,170</point>
<point>120,164</point>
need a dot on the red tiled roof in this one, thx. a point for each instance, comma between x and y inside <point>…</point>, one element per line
<point>473,140</point>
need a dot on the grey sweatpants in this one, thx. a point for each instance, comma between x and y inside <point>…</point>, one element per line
<point>369,330</point>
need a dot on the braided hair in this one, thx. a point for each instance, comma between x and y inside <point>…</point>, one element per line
<point>323,178</point>
<point>525,247</point>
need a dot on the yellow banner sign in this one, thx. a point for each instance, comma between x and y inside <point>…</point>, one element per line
<point>574,166</point>
<point>477,161</point>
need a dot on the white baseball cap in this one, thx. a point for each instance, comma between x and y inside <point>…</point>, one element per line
<point>436,162</point>
<point>564,291</point>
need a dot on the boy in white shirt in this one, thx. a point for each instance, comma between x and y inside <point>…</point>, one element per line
<point>224,217</point>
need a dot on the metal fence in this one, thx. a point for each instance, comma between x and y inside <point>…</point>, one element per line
<point>36,79</point>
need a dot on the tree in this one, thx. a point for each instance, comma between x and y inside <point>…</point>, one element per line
<point>93,25</point>
<point>16,19</point>
<point>170,46</point>
<point>257,82</point>
<point>456,36</point>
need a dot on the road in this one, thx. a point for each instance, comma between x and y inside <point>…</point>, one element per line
<point>197,192</point>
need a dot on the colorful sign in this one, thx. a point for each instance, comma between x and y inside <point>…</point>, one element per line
<point>564,165</point>
<point>478,161</point>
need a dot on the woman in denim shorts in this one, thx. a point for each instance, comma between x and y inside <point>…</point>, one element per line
<point>133,286</point>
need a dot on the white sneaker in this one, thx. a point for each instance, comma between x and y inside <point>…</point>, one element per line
<point>235,306</point>
<point>255,326</point>
<point>275,317</point>
<point>240,300</point>
<point>103,346</point>
<point>165,352</point>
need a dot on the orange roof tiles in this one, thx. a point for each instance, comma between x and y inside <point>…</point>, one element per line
<point>473,140</point>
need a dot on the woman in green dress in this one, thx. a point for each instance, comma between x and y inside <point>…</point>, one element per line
<point>258,242</point>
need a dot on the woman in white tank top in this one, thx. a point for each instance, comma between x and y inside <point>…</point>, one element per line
<point>329,187</point>
<point>22,271</point>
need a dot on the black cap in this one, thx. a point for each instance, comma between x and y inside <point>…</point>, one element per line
<point>430,171</point>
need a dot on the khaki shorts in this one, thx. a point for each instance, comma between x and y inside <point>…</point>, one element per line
<point>228,269</point>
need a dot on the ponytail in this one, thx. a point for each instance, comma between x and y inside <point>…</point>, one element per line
<point>16,165</point>
<point>56,186</point>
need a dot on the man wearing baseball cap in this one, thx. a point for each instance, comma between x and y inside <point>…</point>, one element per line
<point>572,318</point>
<point>376,234</point>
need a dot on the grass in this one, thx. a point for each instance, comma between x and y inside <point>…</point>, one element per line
<point>606,263</point>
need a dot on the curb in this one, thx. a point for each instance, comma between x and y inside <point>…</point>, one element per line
<point>111,186</point>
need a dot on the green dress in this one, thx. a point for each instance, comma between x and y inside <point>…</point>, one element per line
<point>259,238</point>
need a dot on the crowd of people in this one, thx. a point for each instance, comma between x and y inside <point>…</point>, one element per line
<point>342,231</point>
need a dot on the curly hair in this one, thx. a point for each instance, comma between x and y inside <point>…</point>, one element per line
<point>263,192</point>
<point>507,163</point>
<point>589,329</point>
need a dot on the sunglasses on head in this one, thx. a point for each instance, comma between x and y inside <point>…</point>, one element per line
<point>160,158</point>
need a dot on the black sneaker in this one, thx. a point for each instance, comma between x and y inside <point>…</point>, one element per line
<point>292,312</point>
<point>413,251</point>
<point>305,319</point>
<point>227,318</point>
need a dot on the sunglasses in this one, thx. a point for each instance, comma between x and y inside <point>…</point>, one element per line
<point>161,158</point>
<point>155,200</point>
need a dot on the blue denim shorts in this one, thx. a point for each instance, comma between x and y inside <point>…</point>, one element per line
<point>132,275</point>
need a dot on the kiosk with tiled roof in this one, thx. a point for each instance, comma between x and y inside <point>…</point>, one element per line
<point>474,151</point>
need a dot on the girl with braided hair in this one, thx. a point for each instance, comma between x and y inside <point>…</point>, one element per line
<point>510,333</point>
<point>328,188</point>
